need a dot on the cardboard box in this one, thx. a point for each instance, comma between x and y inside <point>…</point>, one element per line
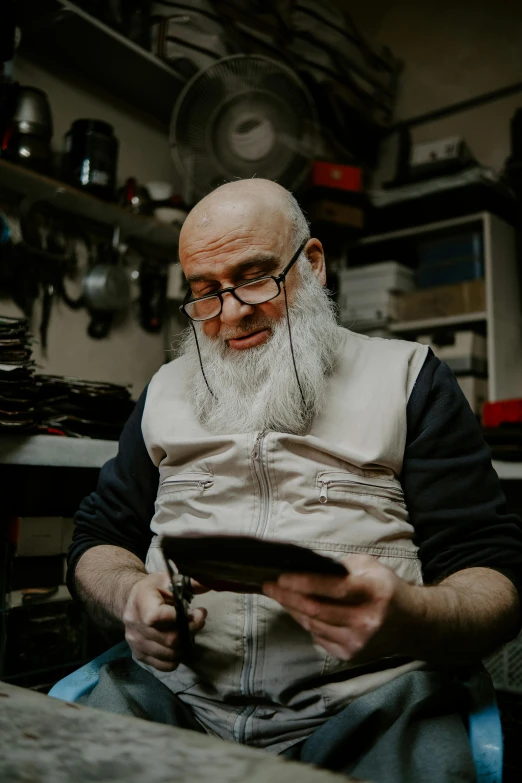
<point>377,307</point>
<point>43,536</point>
<point>465,352</point>
<point>332,212</point>
<point>384,276</point>
<point>443,301</point>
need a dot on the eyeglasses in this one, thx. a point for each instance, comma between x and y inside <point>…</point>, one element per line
<point>255,292</point>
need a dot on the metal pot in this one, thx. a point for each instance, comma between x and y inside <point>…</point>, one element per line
<point>106,290</point>
<point>106,287</point>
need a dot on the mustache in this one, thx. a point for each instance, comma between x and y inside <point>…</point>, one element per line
<point>252,323</point>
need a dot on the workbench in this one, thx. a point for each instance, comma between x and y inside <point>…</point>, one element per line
<point>45,740</point>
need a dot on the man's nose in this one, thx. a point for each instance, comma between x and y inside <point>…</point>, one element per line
<point>233,310</point>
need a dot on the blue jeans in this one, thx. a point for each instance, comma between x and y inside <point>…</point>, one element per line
<point>410,730</point>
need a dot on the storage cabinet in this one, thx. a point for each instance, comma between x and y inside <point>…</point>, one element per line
<point>44,476</point>
<point>500,320</point>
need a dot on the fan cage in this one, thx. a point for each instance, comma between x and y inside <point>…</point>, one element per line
<point>217,88</point>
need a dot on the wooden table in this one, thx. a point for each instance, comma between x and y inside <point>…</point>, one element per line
<point>44,740</point>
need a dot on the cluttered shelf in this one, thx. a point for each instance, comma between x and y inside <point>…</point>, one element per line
<point>89,453</point>
<point>29,184</point>
<point>61,31</point>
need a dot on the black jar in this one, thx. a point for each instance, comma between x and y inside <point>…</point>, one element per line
<point>90,157</point>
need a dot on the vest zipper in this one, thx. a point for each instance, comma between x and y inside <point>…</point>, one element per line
<point>264,487</point>
<point>257,445</point>
<point>201,483</point>
<point>323,495</point>
<point>249,630</point>
<point>325,483</point>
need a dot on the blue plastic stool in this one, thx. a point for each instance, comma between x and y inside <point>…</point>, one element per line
<point>84,680</point>
<point>485,730</point>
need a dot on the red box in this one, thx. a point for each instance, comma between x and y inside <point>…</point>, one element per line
<point>502,412</point>
<point>335,175</point>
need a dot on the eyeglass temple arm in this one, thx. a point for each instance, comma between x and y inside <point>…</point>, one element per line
<point>292,261</point>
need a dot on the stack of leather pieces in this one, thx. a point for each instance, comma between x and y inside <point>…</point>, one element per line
<point>80,408</point>
<point>17,384</point>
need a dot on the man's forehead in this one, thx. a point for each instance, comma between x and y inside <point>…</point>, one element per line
<point>234,213</point>
<point>231,266</point>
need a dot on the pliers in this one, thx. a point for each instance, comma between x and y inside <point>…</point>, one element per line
<point>181,587</point>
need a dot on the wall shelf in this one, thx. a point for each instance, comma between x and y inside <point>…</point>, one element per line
<point>508,471</point>
<point>14,598</point>
<point>425,228</point>
<point>60,31</point>
<point>55,451</point>
<point>25,182</point>
<point>403,327</point>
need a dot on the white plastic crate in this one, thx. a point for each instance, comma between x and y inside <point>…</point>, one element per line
<point>505,666</point>
<point>384,276</point>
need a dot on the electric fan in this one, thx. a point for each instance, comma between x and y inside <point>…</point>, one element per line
<point>243,116</point>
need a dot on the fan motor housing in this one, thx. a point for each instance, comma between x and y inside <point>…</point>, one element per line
<point>242,117</point>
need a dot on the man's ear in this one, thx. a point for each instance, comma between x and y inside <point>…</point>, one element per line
<point>314,251</point>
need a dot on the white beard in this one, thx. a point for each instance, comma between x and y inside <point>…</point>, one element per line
<point>256,389</point>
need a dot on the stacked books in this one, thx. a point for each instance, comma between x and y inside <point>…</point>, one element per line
<point>78,408</point>
<point>17,383</point>
<point>53,404</point>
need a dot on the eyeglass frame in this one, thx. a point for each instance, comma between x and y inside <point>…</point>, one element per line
<point>279,281</point>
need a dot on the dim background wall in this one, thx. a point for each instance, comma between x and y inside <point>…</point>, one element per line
<point>129,355</point>
<point>452,50</point>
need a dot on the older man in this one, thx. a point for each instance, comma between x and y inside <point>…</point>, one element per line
<point>277,423</point>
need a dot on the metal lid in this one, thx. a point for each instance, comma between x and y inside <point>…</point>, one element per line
<point>92,126</point>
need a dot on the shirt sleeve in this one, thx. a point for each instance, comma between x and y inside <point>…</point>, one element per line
<point>452,491</point>
<point>119,512</point>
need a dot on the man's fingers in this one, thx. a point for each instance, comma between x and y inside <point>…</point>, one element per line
<point>161,666</point>
<point>349,589</point>
<point>154,650</point>
<point>335,650</point>
<point>197,619</point>
<point>198,588</point>
<point>164,638</point>
<point>162,616</point>
<point>163,645</point>
<point>336,614</point>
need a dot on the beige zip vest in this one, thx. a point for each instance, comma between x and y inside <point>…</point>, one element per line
<point>257,677</point>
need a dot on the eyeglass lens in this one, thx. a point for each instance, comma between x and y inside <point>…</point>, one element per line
<point>256,292</point>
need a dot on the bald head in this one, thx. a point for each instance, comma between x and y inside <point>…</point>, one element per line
<point>242,209</point>
<point>246,231</point>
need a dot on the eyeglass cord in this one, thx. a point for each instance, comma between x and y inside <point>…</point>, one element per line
<point>200,359</point>
<point>291,351</point>
<point>292,345</point>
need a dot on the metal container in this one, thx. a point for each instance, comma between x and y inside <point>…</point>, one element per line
<point>32,113</point>
<point>90,157</point>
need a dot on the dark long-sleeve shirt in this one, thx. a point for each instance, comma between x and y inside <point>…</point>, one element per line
<point>452,492</point>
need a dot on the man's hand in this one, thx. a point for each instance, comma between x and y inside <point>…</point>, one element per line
<point>372,613</point>
<point>360,616</point>
<point>150,623</point>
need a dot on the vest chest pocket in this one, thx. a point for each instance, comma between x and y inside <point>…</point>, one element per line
<point>184,486</point>
<point>331,483</point>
